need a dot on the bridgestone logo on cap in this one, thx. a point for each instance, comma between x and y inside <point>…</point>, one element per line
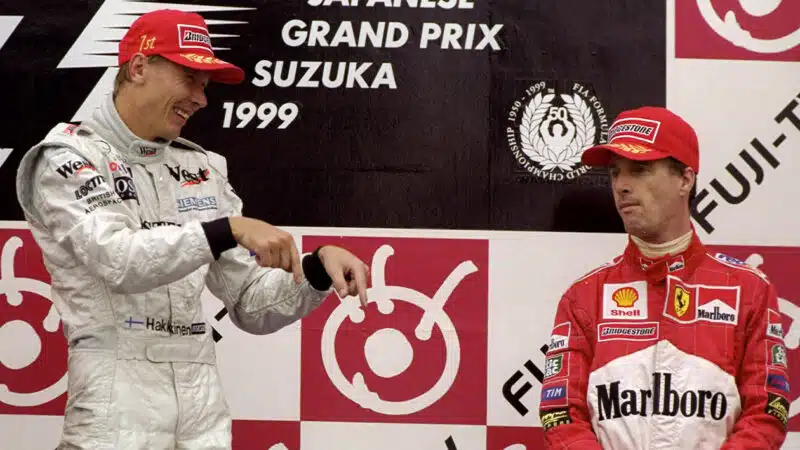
<point>634,128</point>
<point>192,36</point>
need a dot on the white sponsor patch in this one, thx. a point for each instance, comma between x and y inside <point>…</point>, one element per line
<point>197,203</point>
<point>192,36</point>
<point>625,301</point>
<point>634,128</point>
<point>626,331</point>
<point>774,325</point>
<point>559,339</point>
<point>717,311</point>
<point>676,265</point>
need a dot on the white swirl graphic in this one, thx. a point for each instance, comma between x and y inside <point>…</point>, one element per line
<point>732,31</point>
<point>383,296</point>
<point>26,343</point>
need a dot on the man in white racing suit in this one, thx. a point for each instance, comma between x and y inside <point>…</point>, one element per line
<point>133,222</point>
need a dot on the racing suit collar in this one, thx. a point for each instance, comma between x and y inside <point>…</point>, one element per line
<point>107,122</point>
<point>681,264</point>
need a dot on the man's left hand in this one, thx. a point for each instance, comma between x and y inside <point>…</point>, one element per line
<point>349,274</point>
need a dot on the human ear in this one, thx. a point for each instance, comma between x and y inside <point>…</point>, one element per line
<point>688,179</point>
<point>136,68</point>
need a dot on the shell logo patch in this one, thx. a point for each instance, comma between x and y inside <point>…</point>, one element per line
<point>625,301</point>
<point>625,297</point>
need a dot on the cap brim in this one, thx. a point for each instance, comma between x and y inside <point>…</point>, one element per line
<point>218,70</point>
<point>600,155</point>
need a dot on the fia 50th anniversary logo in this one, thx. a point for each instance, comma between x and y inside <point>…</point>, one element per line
<point>549,127</point>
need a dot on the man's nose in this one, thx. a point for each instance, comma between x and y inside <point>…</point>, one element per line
<point>621,184</point>
<point>199,98</point>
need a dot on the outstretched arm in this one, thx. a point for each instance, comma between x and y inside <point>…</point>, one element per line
<point>276,287</point>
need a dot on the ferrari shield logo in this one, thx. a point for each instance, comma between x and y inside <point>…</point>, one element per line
<point>682,301</point>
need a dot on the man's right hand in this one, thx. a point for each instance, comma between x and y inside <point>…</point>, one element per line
<point>272,246</point>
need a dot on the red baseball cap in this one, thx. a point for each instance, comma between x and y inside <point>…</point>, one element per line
<point>646,134</point>
<point>181,37</point>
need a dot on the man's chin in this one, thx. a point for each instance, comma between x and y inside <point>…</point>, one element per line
<point>635,228</point>
<point>171,134</point>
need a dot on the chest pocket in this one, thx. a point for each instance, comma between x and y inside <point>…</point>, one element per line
<point>197,205</point>
<point>194,192</point>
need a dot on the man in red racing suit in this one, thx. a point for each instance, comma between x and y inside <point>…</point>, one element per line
<point>668,346</point>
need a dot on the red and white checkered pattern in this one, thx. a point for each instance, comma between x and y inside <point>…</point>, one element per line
<point>489,296</point>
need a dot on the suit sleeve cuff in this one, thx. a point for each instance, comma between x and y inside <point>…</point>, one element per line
<point>315,272</point>
<point>219,236</point>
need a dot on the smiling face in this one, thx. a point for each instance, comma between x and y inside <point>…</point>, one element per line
<point>164,95</point>
<point>652,197</point>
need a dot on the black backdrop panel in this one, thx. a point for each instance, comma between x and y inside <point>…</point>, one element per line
<point>443,147</point>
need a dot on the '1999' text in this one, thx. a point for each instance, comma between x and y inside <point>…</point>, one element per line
<point>263,114</point>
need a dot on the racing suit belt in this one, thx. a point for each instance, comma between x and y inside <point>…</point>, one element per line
<point>188,349</point>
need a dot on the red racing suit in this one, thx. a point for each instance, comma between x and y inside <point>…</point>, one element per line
<point>681,352</point>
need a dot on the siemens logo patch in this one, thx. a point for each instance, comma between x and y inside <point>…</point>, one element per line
<point>197,203</point>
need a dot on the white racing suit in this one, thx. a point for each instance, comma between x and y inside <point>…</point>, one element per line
<point>131,231</point>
